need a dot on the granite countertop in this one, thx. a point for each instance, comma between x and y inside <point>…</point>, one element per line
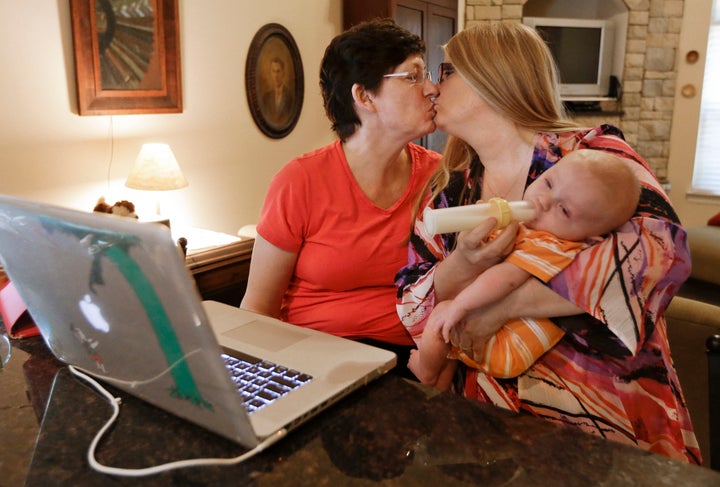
<point>25,384</point>
<point>392,432</point>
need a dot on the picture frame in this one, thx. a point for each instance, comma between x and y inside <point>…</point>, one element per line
<point>274,80</point>
<point>127,60</point>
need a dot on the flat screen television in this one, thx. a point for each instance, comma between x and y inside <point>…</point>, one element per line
<point>583,51</point>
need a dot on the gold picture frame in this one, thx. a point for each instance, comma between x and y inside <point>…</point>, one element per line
<point>127,58</point>
<point>274,81</point>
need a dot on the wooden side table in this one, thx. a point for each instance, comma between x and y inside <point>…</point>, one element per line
<point>221,273</point>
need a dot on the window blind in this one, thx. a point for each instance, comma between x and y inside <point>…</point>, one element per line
<point>706,172</point>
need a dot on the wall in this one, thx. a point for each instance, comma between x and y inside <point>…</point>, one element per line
<point>694,210</point>
<point>49,153</point>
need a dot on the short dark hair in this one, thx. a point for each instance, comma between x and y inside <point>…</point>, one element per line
<point>361,54</point>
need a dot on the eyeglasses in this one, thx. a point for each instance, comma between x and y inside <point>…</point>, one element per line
<point>445,70</point>
<point>413,77</point>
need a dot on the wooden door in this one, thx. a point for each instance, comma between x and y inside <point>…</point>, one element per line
<point>435,24</point>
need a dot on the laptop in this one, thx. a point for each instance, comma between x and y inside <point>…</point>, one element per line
<point>112,297</point>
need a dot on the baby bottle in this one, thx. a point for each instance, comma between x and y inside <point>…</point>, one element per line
<point>448,220</point>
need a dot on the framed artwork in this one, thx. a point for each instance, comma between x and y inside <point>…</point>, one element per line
<point>274,81</point>
<point>127,56</point>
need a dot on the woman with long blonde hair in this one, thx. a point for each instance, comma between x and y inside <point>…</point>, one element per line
<point>611,374</point>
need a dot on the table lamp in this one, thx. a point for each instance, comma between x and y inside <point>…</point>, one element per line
<point>156,169</point>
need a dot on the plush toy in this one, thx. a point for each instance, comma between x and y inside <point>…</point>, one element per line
<point>121,208</point>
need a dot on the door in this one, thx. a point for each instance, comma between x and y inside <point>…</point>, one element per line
<point>435,25</point>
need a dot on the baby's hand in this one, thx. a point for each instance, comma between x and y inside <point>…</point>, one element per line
<point>444,317</point>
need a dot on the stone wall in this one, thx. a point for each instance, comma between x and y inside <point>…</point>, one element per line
<point>649,70</point>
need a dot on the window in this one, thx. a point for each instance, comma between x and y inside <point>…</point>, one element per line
<point>706,174</point>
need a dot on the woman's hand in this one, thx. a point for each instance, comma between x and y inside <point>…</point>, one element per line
<point>471,334</point>
<point>532,298</point>
<point>473,254</point>
<point>473,245</point>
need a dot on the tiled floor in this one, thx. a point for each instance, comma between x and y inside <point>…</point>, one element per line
<point>18,423</point>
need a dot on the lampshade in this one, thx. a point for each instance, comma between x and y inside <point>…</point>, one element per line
<point>156,169</point>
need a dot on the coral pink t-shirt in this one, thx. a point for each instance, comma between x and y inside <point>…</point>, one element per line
<point>348,249</point>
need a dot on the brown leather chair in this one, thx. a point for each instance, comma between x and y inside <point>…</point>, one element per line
<point>690,323</point>
<point>712,347</point>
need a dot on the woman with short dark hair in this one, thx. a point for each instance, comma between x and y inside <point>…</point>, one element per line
<point>336,221</point>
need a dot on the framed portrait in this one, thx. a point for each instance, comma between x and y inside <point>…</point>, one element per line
<point>127,56</point>
<point>274,81</point>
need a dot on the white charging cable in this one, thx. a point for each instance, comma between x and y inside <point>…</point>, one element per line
<point>141,472</point>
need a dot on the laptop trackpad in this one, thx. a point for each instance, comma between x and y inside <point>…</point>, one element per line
<point>266,335</point>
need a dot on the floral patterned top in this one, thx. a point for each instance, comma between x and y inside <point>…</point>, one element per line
<point>611,374</point>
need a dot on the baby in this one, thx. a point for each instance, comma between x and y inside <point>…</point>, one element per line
<point>583,196</point>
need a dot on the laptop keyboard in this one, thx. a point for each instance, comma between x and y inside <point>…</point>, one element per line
<point>260,382</point>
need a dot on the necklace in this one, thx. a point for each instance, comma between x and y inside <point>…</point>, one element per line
<point>510,167</point>
<point>511,192</point>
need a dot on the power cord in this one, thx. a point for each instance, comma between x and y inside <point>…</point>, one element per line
<point>141,472</point>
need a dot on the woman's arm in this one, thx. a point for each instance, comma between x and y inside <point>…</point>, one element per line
<point>532,298</point>
<point>270,271</point>
<point>473,255</point>
<point>626,282</point>
<point>487,289</point>
<point>434,273</point>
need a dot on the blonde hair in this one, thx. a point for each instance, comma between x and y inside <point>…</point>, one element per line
<point>511,68</point>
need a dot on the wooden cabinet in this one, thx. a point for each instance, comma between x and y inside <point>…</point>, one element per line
<point>435,21</point>
<point>221,273</point>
